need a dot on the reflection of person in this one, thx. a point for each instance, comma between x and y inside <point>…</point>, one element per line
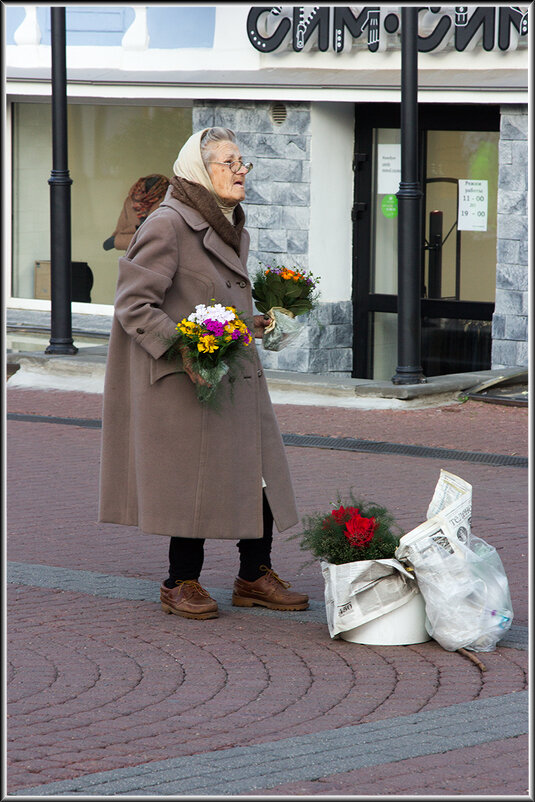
<point>171,465</point>
<point>143,198</point>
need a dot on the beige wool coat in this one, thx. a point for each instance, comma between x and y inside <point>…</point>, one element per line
<point>169,464</point>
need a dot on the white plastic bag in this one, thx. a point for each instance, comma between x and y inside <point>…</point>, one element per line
<point>283,330</point>
<point>466,593</point>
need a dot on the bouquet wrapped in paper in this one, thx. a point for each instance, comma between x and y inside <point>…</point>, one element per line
<point>283,294</point>
<point>356,545</point>
<point>209,341</point>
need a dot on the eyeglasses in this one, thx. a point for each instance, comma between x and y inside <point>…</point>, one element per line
<point>236,166</point>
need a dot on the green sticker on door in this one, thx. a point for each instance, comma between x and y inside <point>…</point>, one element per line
<point>389,206</point>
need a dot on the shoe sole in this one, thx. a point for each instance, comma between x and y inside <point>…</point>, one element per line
<point>239,601</point>
<point>200,616</point>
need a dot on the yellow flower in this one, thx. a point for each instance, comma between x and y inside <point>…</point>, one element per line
<point>207,344</point>
<point>187,327</point>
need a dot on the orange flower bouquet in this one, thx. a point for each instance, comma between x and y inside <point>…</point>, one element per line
<point>283,294</point>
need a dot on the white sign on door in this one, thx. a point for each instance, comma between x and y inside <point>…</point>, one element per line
<point>472,214</point>
<point>388,169</point>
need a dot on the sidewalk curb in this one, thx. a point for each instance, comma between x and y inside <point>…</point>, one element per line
<point>89,366</point>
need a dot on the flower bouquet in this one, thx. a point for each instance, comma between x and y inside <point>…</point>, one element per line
<point>209,341</point>
<point>283,294</point>
<point>365,586</point>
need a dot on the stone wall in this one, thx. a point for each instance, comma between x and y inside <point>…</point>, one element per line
<point>277,208</point>
<point>510,319</point>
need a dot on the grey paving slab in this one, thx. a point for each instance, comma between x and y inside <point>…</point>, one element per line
<point>247,769</point>
<point>120,587</point>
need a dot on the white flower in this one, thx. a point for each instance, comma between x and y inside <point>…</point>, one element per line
<point>216,312</point>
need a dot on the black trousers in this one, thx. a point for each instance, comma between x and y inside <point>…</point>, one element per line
<point>186,554</point>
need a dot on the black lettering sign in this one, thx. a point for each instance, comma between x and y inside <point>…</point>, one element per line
<point>431,42</point>
<point>303,27</point>
<point>344,18</point>
<point>465,26</point>
<point>510,15</point>
<point>265,44</point>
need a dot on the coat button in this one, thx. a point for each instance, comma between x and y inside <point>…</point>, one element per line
<point>241,283</point>
<point>140,331</point>
<point>229,284</point>
<point>259,373</point>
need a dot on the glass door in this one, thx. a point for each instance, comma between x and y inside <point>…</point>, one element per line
<point>458,149</point>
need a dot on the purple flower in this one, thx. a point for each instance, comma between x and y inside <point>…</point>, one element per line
<point>215,327</point>
<point>235,334</point>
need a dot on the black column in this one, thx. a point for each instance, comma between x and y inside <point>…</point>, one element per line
<point>60,199</point>
<point>409,370</point>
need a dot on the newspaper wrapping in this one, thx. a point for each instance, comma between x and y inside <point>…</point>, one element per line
<point>360,591</point>
<point>461,577</point>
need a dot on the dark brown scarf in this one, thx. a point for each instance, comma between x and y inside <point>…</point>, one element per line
<point>199,198</point>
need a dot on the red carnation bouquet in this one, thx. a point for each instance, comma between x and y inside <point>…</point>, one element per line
<point>359,530</point>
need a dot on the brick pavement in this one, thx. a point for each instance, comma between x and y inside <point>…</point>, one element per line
<point>99,684</point>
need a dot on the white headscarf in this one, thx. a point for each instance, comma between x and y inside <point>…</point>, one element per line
<point>189,165</point>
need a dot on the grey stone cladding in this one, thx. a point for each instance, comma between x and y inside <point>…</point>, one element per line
<point>510,319</point>
<point>277,208</point>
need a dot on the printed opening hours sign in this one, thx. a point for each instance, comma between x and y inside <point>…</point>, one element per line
<point>472,214</point>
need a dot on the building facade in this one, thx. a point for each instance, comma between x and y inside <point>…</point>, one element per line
<point>313,94</point>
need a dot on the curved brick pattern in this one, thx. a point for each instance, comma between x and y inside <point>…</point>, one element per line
<point>242,769</point>
<point>127,676</point>
<point>107,695</point>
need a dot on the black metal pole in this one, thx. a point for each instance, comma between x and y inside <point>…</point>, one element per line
<point>61,341</point>
<point>409,370</point>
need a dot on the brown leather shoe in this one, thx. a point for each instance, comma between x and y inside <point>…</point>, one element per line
<point>188,599</point>
<point>268,591</point>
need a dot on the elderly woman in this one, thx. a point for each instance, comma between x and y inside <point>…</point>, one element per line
<point>171,465</point>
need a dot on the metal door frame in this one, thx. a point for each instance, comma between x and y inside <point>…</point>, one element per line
<point>431,116</point>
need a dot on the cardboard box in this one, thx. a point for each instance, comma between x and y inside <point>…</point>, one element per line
<point>42,281</point>
<point>81,281</point>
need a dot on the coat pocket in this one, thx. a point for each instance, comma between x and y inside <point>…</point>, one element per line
<point>158,368</point>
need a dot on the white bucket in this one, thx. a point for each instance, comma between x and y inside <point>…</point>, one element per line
<point>400,627</point>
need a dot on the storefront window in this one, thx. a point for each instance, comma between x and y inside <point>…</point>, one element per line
<point>386,178</point>
<point>458,247</point>
<point>110,148</point>
<point>457,159</point>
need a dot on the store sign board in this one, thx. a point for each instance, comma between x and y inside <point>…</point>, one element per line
<point>472,214</point>
<point>301,28</point>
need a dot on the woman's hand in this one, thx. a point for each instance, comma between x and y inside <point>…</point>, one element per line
<point>189,369</point>
<point>260,322</point>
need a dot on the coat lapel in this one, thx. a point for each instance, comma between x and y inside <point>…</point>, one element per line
<point>212,241</point>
